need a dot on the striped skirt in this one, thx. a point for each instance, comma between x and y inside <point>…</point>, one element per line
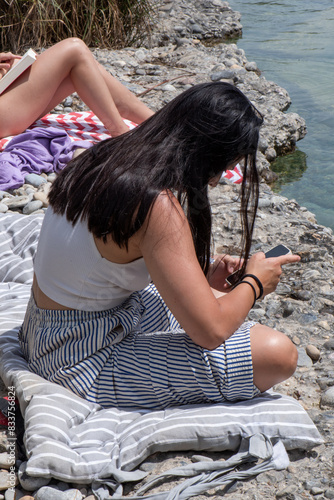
<point>135,356</point>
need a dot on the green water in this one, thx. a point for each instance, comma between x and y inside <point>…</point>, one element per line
<point>292,43</point>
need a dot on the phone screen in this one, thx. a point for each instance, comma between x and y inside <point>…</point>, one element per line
<point>278,251</point>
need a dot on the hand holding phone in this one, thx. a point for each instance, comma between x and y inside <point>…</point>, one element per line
<point>277,251</point>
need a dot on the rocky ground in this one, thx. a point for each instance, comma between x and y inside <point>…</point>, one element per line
<point>191,43</point>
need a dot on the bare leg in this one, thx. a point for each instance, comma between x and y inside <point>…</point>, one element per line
<point>66,67</point>
<point>274,357</point>
<point>128,105</point>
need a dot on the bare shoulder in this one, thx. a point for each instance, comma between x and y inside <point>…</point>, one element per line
<point>166,211</point>
<point>166,229</point>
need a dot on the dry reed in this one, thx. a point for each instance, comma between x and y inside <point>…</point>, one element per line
<point>100,23</point>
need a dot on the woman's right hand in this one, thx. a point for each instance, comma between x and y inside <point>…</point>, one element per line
<point>269,270</point>
<point>7,60</point>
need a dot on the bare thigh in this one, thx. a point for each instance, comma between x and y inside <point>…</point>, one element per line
<point>35,92</point>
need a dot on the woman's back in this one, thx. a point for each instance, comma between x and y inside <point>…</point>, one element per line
<point>71,271</point>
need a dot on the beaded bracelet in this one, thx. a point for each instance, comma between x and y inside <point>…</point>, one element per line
<point>252,286</point>
<point>258,282</point>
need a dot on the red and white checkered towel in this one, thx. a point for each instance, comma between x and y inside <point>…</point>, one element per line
<point>84,125</point>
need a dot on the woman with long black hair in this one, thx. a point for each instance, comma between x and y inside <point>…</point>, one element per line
<point>122,312</point>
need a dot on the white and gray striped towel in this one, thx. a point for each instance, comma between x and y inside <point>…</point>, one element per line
<point>72,440</point>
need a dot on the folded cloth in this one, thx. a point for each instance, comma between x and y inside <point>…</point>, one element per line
<point>35,151</point>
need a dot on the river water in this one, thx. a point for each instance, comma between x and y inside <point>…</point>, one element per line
<point>292,43</point>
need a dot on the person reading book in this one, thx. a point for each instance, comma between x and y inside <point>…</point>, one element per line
<point>67,67</point>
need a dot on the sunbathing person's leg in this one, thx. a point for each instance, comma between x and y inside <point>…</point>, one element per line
<point>128,105</point>
<point>61,70</point>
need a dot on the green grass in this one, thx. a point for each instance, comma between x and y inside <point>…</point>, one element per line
<point>99,23</point>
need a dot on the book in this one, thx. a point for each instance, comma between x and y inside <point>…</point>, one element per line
<point>17,69</point>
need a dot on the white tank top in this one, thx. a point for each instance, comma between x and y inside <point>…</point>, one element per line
<point>71,271</point>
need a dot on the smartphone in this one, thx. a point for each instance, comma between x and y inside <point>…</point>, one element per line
<point>277,251</point>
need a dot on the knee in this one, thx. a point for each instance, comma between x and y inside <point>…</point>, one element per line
<point>274,357</point>
<point>282,354</point>
<point>73,46</point>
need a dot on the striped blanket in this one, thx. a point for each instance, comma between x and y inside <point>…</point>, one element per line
<point>72,440</point>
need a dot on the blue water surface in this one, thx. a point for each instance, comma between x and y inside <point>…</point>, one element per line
<point>292,42</point>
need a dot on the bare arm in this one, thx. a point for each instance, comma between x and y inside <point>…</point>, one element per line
<point>169,253</point>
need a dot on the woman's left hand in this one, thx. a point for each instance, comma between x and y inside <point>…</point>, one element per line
<point>220,269</point>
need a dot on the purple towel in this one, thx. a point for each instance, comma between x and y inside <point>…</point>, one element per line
<point>35,151</point>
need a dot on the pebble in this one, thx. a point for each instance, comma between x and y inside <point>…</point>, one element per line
<point>73,494</point>
<point>251,66</point>
<point>51,177</point>
<point>30,483</point>
<point>34,179</point>
<point>287,309</point>
<point>7,480</point>
<point>311,274</point>
<point>168,88</point>
<point>324,325</point>
<point>68,101</point>
<point>317,491</point>
<point>222,75</point>
<point>329,345</point>
<point>32,206</point>
<point>17,202</point>
<point>271,477</point>
<point>4,460</point>
<point>16,495</point>
<point>327,398</point>
<point>48,493</point>
<point>287,492</point>
<point>147,466</point>
<point>296,340</point>
<point>303,358</point>
<point>62,486</point>
<point>42,197</point>
<point>201,458</point>
<point>313,352</point>
<point>3,441</point>
<point>302,295</point>
<point>307,318</point>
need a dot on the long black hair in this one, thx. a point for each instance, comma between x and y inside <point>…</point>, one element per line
<point>196,136</point>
